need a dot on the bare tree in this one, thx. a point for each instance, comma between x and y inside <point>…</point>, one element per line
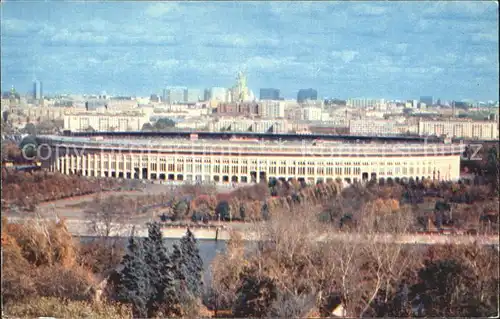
<point>107,216</point>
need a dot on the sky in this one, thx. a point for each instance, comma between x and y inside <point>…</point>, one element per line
<point>392,50</point>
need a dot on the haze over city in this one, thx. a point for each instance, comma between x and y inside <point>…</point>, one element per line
<point>352,49</point>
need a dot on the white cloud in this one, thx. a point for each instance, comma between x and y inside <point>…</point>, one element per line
<point>459,9</point>
<point>368,10</point>
<point>157,10</point>
<point>270,63</point>
<point>14,26</point>
<point>166,64</point>
<point>346,56</point>
<point>77,37</point>
<point>486,36</point>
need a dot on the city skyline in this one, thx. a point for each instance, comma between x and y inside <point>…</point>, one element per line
<point>350,49</point>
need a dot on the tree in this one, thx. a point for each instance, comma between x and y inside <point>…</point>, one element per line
<point>191,264</point>
<point>180,210</point>
<point>107,215</point>
<point>444,289</point>
<point>30,129</point>
<point>163,295</point>
<point>226,269</point>
<point>164,124</point>
<point>256,296</point>
<point>48,126</point>
<point>493,167</point>
<point>223,211</point>
<point>133,285</point>
<point>29,145</point>
<point>242,212</point>
<point>147,127</point>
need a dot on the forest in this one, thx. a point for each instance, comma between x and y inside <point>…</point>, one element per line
<point>286,274</point>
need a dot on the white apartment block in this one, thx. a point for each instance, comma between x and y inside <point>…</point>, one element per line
<point>365,103</point>
<point>194,124</point>
<point>273,109</point>
<point>377,127</point>
<point>248,125</point>
<point>37,114</point>
<point>480,130</point>
<point>103,122</point>
<point>312,114</point>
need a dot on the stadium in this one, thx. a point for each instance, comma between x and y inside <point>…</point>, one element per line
<point>248,158</point>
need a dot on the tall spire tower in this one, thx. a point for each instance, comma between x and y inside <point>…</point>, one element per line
<point>242,86</point>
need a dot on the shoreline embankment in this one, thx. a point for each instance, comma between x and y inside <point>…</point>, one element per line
<point>223,232</point>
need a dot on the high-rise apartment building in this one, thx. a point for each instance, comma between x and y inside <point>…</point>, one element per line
<point>273,109</point>
<point>312,113</point>
<point>307,94</point>
<point>194,95</point>
<point>269,94</point>
<point>174,95</point>
<point>37,90</point>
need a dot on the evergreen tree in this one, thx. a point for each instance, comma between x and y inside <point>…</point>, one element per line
<point>189,265</point>
<point>163,297</point>
<point>133,285</point>
<point>255,296</point>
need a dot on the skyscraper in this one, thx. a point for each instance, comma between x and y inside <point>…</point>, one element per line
<point>307,94</point>
<point>269,94</point>
<point>174,95</point>
<point>37,90</point>
<point>194,95</point>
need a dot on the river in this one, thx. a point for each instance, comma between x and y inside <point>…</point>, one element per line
<point>208,249</point>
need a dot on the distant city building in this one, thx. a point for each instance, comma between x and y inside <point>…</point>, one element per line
<point>307,94</point>
<point>130,121</point>
<point>207,96</point>
<point>95,104</point>
<point>154,98</point>
<point>312,114</point>
<point>218,94</point>
<point>234,124</point>
<point>239,109</point>
<point>174,95</point>
<point>364,102</point>
<point>269,94</point>
<point>37,90</point>
<point>379,127</point>
<point>428,100</point>
<point>194,95</point>
<point>273,109</point>
<point>460,129</point>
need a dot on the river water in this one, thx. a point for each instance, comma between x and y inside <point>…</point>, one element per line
<point>208,248</point>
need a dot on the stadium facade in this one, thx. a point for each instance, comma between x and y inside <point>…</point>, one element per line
<point>242,160</point>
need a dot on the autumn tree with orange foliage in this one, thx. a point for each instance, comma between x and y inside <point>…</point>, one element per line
<point>34,251</point>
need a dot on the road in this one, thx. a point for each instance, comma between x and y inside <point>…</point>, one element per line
<point>222,232</point>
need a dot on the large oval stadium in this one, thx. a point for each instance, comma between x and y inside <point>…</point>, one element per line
<point>246,158</point>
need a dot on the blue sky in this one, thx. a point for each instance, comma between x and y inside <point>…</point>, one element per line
<point>343,49</point>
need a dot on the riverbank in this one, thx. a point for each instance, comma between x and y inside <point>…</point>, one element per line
<point>216,232</point>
